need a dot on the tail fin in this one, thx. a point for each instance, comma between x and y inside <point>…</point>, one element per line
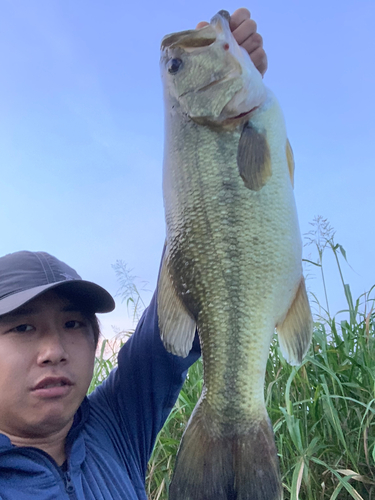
<point>230,467</point>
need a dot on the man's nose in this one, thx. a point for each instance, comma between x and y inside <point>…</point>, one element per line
<point>52,348</point>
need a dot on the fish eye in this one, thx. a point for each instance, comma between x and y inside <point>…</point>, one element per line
<point>174,65</point>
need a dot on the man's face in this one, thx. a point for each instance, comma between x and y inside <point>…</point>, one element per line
<point>47,357</point>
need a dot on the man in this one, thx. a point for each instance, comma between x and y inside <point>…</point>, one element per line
<point>55,443</point>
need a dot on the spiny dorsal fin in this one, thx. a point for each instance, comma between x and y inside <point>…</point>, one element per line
<point>253,158</point>
<point>290,158</point>
<point>295,331</point>
<point>177,325</point>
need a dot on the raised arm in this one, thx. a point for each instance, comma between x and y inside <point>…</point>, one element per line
<point>132,404</point>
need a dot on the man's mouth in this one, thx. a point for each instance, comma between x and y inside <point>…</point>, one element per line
<point>50,382</point>
<point>52,388</point>
<point>47,386</point>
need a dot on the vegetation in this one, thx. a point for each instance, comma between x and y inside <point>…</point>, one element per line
<point>322,411</point>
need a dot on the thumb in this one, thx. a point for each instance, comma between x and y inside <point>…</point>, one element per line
<point>201,25</point>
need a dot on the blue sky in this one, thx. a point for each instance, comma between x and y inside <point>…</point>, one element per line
<point>81,128</point>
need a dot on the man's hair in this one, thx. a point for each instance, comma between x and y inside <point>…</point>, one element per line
<point>92,317</point>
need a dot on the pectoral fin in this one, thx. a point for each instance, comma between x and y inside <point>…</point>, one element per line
<point>177,325</point>
<point>290,158</point>
<point>295,331</point>
<point>253,158</point>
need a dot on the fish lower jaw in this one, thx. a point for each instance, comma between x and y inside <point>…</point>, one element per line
<point>233,120</point>
<point>223,122</point>
<point>240,118</point>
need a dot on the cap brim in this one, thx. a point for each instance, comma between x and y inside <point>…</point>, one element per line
<point>93,297</point>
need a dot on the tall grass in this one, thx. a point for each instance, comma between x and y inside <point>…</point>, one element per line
<point>105,360</point>
<point>322,411</point>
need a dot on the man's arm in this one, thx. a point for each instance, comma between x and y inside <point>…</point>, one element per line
<point>134,402</point>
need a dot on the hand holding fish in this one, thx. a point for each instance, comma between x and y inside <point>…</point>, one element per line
<point>244,30</point>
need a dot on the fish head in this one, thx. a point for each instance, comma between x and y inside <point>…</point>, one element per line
<point>208,75</point>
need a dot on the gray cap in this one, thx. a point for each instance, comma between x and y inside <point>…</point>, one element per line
<point>25,275</point>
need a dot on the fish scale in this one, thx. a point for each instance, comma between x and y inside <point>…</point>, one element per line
<point>232,263</point>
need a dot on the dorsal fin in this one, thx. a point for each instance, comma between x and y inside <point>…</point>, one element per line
<point>290,158</point>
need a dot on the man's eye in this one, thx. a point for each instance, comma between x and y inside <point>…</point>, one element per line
<point>73,324</point>
<point>22,328</point>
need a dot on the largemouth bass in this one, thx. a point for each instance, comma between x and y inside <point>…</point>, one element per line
<point>232,264</point>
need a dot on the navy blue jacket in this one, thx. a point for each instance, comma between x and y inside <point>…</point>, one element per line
<point>114,429</point>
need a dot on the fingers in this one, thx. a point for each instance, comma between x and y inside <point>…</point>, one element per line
<point>254,47</point>
<point>201,25</point>
<point>259,58</point>
<point>238,17</point>
<point>245,32</point>
<point>252,43</point>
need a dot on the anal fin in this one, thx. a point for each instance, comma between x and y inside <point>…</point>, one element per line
<point>177,325</point>
<point>295,331</point>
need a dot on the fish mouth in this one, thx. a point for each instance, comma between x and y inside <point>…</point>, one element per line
<point>242,115</point>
